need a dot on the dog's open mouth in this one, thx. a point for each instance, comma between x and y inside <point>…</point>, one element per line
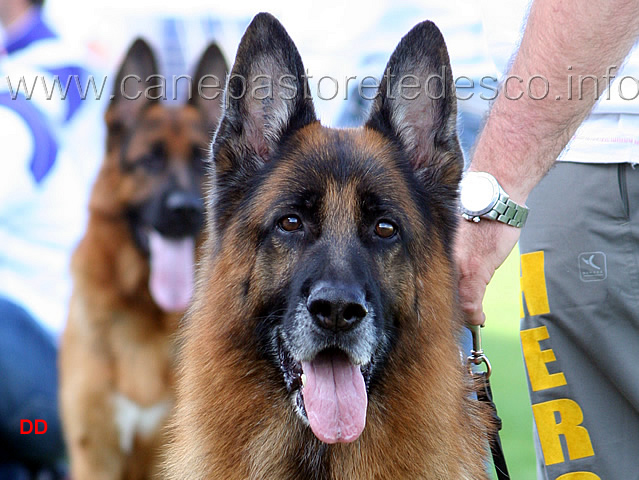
<point>330,392</point>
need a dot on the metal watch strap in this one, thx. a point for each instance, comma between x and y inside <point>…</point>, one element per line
<point>508,212</point>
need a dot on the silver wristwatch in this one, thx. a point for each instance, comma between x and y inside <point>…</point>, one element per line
<point>481,196</point>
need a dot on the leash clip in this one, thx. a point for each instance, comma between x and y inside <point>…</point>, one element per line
<point>485,394</point>
<point>477,356</point>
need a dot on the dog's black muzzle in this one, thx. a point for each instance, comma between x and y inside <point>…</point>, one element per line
<point>179,214</point>
<point>336,306</point>
<point>176,213</point>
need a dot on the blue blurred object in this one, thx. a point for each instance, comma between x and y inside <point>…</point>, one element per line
<point>28,390</point>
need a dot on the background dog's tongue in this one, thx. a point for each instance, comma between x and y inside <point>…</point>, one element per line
<point>334,398</point>
<point>171,281</point>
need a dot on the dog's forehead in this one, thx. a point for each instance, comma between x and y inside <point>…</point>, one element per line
<point>179,119</point>
<point>321,160</point>
<point>178,127</point>
<point>344,173</point>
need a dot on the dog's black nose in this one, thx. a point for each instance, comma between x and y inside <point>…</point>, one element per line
<point>185,211</point>
<point>181,214</point>
<point>184,204</point>
<point>336,306</point>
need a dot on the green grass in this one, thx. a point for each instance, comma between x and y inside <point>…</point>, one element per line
<point>502,347</point>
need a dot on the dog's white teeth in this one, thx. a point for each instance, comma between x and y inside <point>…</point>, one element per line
<point>303,379</point>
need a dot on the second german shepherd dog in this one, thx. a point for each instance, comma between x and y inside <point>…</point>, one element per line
<point>133,273</point>
<point>322,341</point>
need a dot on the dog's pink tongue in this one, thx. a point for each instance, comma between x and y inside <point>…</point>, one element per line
<point>334,398</point>
<point>171,281</point>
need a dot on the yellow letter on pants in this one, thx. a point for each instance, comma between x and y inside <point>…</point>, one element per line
<point>579,476</point>
<point>577,437</point>
<point>536,360</point>
<point>533,284</point>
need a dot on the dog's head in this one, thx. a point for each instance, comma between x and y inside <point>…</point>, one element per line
<point>155,166</point>
<point>337,226</point>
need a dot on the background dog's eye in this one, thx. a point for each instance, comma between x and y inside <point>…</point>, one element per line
<point>290,223</point>
<point>155,161</point>
<point>385,229</point>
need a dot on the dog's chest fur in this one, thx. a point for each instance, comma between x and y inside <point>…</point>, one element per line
<point>134,420</point>
<point>142,355</point>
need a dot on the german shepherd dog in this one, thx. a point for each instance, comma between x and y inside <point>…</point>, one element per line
<point>134,271</point>
<point>322,340</point>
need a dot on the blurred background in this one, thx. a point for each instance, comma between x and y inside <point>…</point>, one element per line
<point>337,39</point>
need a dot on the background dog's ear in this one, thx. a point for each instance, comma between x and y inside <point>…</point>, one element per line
<point>422,119</point>
<point>267,97</point>
<point>138,64</point>
<point>208,84</point>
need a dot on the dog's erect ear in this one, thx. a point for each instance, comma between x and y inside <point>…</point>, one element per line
<point>129,98</point>
<point>208,84</point>
<point>266,98</point>
<point>416,105</point>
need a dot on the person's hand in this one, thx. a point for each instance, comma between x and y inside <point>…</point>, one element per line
<point>480,248</point>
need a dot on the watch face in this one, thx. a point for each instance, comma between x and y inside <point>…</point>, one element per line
<point>479,193</point>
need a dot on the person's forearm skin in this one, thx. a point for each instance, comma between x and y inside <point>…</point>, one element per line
<point>522,138</point>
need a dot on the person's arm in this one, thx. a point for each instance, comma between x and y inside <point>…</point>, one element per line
<point>522,138</point>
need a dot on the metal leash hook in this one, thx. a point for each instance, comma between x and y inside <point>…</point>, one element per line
<point>485,395</point>
<point>477,356</point>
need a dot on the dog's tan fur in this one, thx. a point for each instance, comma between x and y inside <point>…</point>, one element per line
<point>234,417</point>
<point>118,344</point>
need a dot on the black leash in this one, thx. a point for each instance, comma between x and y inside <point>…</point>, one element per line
<point>485,394</point>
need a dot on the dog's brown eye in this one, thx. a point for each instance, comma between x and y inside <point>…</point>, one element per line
<point>290,223</point>
<point>385,229</point>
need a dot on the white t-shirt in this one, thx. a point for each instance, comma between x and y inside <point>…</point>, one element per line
<point>43,186</point>
<point>40,222</point>
<point>611,133</point>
